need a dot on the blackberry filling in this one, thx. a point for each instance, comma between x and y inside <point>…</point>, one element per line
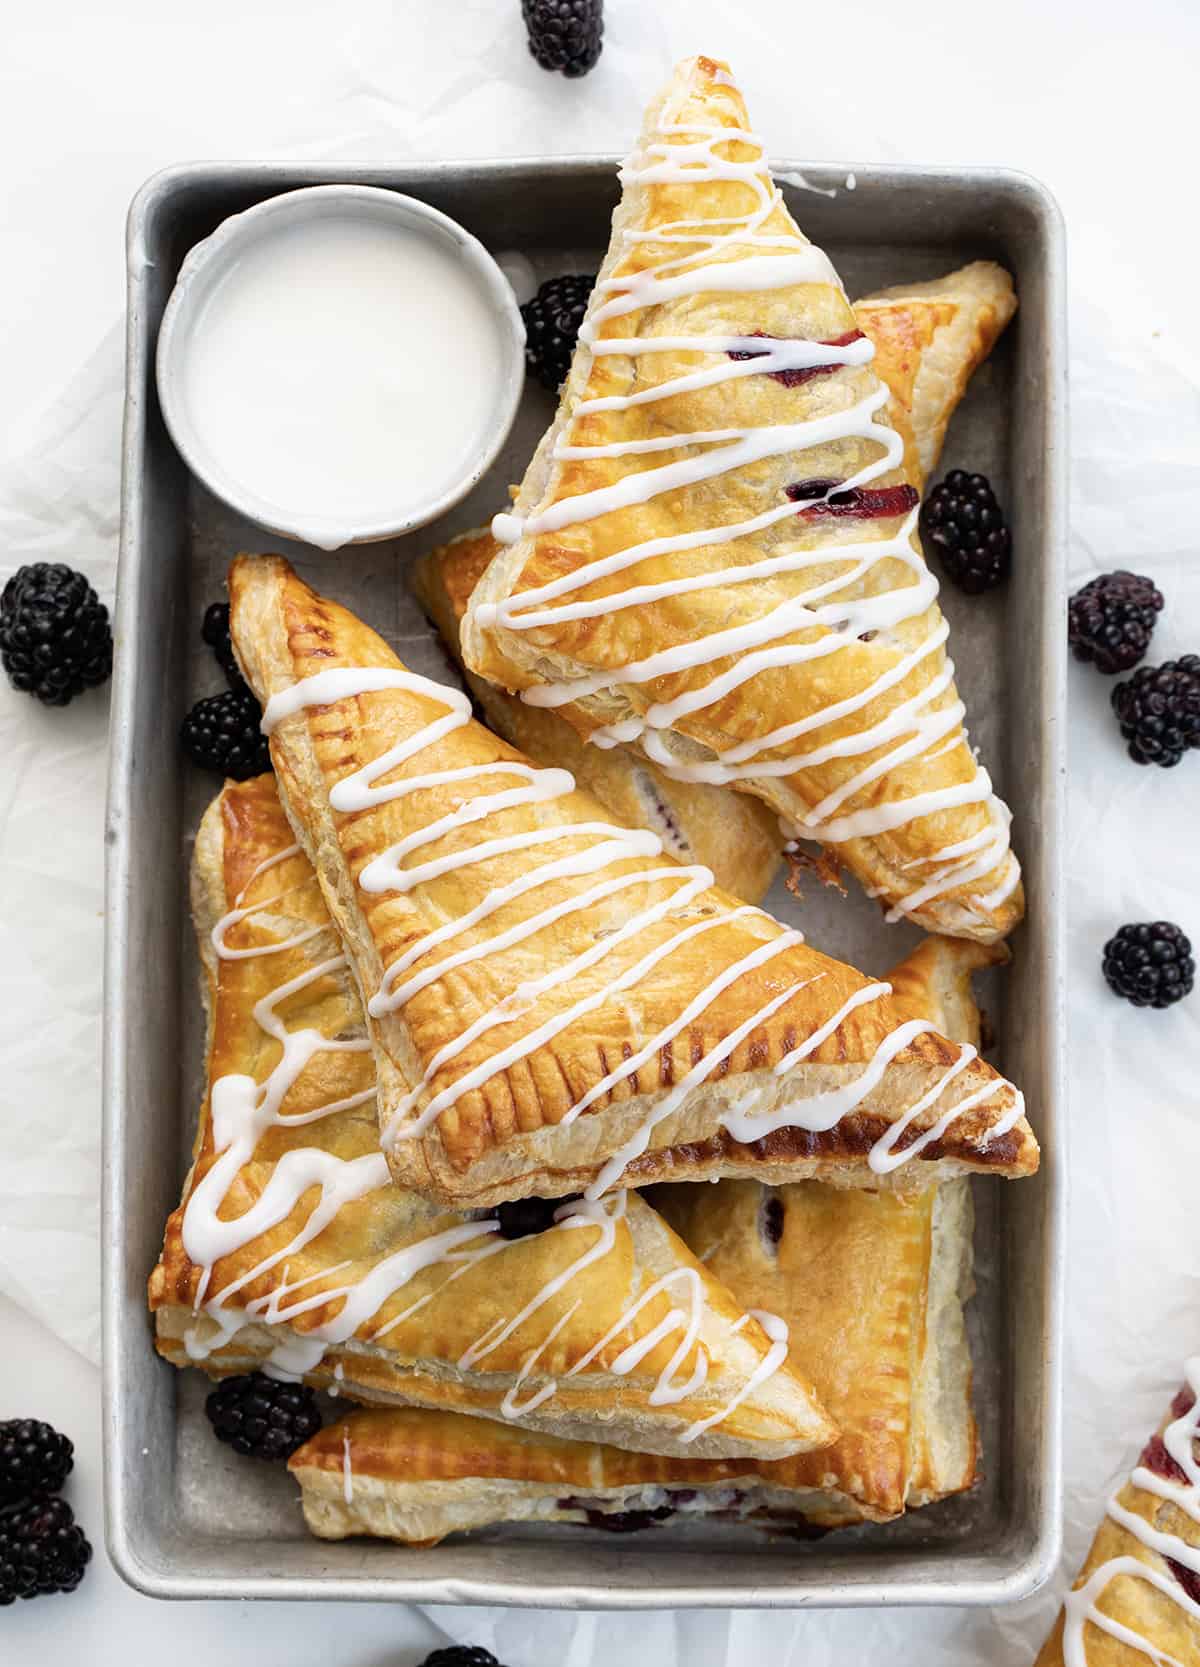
<point>525,1216</point>
<point>1154,1456</point>
<point>770,1220</point>
<point>628,1522</point>
<point>859,503</point>
<point>1187,1578</point>
<point>797,376</point>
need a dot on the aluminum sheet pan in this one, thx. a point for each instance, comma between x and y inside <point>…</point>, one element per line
<point>185,1517</point>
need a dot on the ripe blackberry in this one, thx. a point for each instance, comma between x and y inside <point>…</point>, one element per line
<point>261,1418</point>
<point>1110,620</point>
<point>1150,964</point>
<point>461,1655</point>
<point>527,1215</point>
<point>34,1459</point>
<point>1158,709</point>
<point>565,34</point>
<point>55,639</point>
<point>221,732</point>
<point>41,1550</point>
<point>215,632</point>
<point>552,321</point>
<point>965,525</point>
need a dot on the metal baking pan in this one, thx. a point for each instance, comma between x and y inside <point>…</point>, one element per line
<point>187,1519</point>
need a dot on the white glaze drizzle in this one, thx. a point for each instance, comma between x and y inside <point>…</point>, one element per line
<point>365,788</point>
<point>684,154</point>
<point>347,1469</point>
<point>1081,1606</point>
<point>242,1110</point>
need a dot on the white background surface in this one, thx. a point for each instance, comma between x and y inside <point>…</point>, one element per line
<point>1098,100</point>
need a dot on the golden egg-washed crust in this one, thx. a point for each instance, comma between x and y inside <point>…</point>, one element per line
<point>871,1287</point>
<point>407,1348</point>
<point>735,836</point>
<point>930,338</point>
<point>928,341</point>
<point>597,646</point>
<point>1169,1630</point>
<point>507,1134</point>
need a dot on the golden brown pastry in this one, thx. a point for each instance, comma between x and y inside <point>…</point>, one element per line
<point>736,837</point>
<point>1137,1597</point>
<point>929,339</point>
<point>293,1248</point>
<point>871,1288</point>
<point>556,1006</point>
<point>714,552</point>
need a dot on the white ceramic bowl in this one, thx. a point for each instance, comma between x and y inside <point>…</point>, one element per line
<point>210,262</point>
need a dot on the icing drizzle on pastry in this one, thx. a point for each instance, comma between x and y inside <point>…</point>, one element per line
<point>766,1106</point>
<point>1081,1606</point>
<point>243,1110</point>
<point>831,614</point>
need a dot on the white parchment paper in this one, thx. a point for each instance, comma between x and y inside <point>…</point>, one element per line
<point>431,80</point>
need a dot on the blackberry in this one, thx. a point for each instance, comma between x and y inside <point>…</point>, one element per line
<point>42,1550</point>
<point>565,34</point>
<point>1110,620</point>
<point>262,1418</point>
<point>527,1215</point>
<point>552,321</point>
<point>1150,964</point>
<point>966,526</point>
<point>1158,709</point>
<point>221,732</point>
<point>34,1459</point>
<point>215,632</point>
<point>461,1655</point>
<point>55,639</point>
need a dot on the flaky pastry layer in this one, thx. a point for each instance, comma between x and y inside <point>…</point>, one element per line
<point>577,1009</point>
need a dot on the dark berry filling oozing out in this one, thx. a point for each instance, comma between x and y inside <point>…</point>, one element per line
<point>1189,1579</point>
<point>1154,1456</point>
<point>771,1219</point>
<point>796,376</point>
<point>859,503</point>
<point>525,1216</point>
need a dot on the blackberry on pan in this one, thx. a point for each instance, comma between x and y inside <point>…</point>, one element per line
<point>566,35</point>
<point>461,1655</point>
<point>965,525</point>
<point>221,733</point>
<point>1158,709</point>
<point>1150,963</point>
<point>34,1459</point>
<point>42,1550</point>
<point>1110,621</point>
<point>552,321</point>
<point>215,632</point>
<point>55,639</point>
<point>261,1418</point>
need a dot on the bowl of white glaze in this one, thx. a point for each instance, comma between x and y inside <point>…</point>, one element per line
<point>341,363</point>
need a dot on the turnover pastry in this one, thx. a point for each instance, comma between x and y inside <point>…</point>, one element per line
<point>871,1287</point>
<point>556,1005</point>
<point>929,338</point>
<point>1137,1597</point>
<point>293,1249</point>
<point>714,552</point>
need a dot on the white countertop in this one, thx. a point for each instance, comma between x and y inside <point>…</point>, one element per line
<point>1097,100</point>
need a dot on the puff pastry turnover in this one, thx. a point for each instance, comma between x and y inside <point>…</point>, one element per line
<point>1137,1597</point>
<point>714,552</point>
<point>293,1248</point>
<point>871,1286</point>
<point>555,1004</point>
<point>929,339</point>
